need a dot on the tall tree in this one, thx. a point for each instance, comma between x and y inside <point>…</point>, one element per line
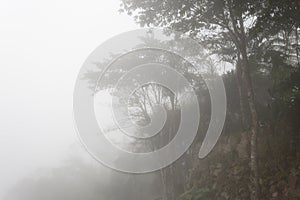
<point>225,27</point>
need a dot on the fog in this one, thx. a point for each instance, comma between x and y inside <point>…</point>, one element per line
<point>209,112</point>
<point>42,47</point>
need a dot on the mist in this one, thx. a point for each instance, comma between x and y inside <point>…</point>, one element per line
<point>42,47</point>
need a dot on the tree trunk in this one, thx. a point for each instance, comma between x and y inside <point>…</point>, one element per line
<point>240,90</point>
<point>164,185</point>
<point>255,189</point>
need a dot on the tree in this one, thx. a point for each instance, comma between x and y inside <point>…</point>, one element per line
<point>142,101</point>
<point>224,27</point>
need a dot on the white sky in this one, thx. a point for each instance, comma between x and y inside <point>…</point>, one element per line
<point>42,47</point>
